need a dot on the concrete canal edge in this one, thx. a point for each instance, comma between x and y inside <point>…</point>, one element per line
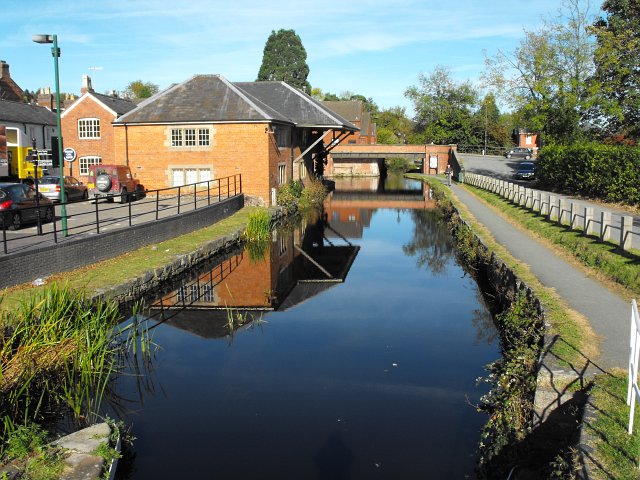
<point>555,383</point>
<point>80,455</point>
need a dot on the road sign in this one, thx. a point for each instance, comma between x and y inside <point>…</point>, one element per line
<point>69,154</point>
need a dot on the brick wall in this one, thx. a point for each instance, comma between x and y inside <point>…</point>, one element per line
<point>88,107</point>
<point>234,148</point>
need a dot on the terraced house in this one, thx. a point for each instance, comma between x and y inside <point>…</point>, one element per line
<point>207,128</point>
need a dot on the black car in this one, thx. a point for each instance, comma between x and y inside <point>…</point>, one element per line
<point>519,152</point>
<point>525,171</point>
<point>18,205</point>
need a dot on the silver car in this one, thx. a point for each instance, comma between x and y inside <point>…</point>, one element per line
<point>73,189</point>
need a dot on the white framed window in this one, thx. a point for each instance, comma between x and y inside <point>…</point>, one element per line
<point>282,174</point>
<point>84,163</point>
<point>207,293</point>
<point>528,140</point>
<point>303,170</point>
<point>203,137</point>
<point>176,137</point>
<point>89,128</point>
<point>189,175</point>
<point>190,137</point>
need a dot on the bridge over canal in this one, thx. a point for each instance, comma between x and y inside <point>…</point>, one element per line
<point>367,160</point>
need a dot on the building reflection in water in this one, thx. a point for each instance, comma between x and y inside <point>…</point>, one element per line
<point>300,262</point>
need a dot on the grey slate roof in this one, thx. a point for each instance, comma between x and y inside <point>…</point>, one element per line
<point>117,104</point>
<point>350,109</point>
<point>26,113</point>
<point>212,98</point>
<point>202,98</point>
<point>302,109</point>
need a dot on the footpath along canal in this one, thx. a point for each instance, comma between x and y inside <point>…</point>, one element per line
<point>347,347</point>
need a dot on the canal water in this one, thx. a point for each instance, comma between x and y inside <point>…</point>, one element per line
<point>346,347</point>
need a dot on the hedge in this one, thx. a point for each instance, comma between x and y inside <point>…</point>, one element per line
<point>607,172</point>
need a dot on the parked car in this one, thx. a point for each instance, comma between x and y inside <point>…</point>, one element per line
<point>73,189</point>
<point>110,181</point>
<point>520,152</point>
<point>525,171</point>
<point>19,204</point>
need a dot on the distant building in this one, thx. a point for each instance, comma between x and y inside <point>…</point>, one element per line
<point>9,90</point>
<point>526,140</point>
<point>353,110</point>
<point>87,127</point>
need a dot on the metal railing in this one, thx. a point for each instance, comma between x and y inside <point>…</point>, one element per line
<point>95,216</point>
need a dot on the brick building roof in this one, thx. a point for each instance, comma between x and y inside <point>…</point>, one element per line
<point>19,112</point>
<point>300,108</point>
<point>117,104</point>
<point>203,98</point>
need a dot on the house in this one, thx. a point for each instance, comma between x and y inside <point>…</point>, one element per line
<point>87,127</point>
<point>207,128</point>
<point>24,124</point>
<point>526,140</point>
<point>9,90</point>
<point>353,110</point>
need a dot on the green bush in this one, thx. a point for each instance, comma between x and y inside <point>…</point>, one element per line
<point>399,164</point>
<point>313,194</point>
<point>289,193</point>
<point>608,172</point>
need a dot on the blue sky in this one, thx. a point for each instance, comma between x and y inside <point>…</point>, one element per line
<point>371,47</point>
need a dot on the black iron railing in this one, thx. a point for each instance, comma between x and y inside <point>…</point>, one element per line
<point>95,216</point>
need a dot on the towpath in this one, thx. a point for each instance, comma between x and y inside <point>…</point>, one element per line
<point>607,312</point>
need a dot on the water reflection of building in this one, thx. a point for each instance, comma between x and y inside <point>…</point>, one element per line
<point>355,200</point>
<point>293,267</point>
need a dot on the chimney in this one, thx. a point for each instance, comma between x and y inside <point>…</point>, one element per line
<point>86,84</point>
<point>4,72</point>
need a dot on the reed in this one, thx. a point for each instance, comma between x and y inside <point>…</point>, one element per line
<point>258,226</point>
<point>58,351</point>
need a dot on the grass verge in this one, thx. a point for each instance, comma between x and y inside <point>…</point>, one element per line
<point>615,453</point>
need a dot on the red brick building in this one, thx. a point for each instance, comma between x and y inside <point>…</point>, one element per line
<point>87,128</point>
<point>353,110</point>
<point>9,90</point>
<point>207,128</point>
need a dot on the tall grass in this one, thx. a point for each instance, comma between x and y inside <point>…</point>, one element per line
<point>259,225</point>
<point>58,351</point>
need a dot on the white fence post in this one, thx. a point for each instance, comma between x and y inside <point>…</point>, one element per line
<point>588,220</point>
<point>626,228</point>
<point>605,226</point>
<point>634,351</point>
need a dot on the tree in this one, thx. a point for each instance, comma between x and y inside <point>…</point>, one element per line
<point>393,126</point>
<point>285,59</point>
<point>546,78</point>
<point>618,67</point>
<point>443,109</point>
<point>140,89</point>
<point>490,125</point>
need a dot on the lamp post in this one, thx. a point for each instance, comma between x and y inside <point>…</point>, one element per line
<point>55,51</point>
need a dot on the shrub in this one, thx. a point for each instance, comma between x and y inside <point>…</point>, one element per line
<point>608,172</point>
<point>313,194</point>
<point>399,164</point>
<point>289,193</point>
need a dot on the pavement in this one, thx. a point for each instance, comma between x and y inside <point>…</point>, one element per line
<point>608,312</point>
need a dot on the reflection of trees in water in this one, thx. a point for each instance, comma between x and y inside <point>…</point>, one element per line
<point>482,320</point>
<point>431,243</point>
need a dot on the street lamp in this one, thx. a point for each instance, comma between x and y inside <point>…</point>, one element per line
<point>55,51</point>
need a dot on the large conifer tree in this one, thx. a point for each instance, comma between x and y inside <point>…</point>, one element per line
<point>285,59</point>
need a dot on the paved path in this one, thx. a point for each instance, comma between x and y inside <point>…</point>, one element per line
<point>609,314</point>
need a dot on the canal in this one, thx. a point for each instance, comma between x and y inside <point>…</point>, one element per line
<point>347,347</point>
